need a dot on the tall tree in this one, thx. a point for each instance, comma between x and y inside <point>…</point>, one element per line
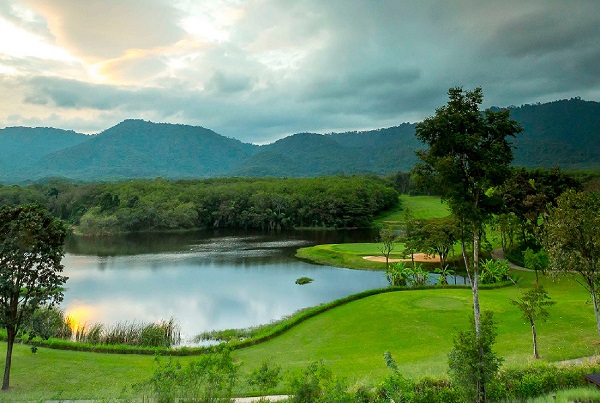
<point>573,240</point>
<point>31,249</point>
<point>469,154</point>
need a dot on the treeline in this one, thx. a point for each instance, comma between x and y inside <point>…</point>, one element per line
<point>264,203</point>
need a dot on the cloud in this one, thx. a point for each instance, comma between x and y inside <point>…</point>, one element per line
<point>261,69</point>
<point>107,28</point>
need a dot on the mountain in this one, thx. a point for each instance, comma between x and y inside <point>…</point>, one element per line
<point>23,147</point>
<point>136,148</point>
<point>564,133</point>
<point>308,154</point>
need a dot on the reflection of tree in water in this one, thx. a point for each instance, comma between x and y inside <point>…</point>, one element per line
<point>209,240</point>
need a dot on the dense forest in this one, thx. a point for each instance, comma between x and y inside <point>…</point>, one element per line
<point>160,204</point>
<point>564,133</point>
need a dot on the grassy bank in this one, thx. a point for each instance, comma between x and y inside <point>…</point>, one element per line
<point>421,207</point>
<point>416,326</point>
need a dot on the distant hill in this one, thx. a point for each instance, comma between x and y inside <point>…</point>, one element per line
<point>307,154</point>
<point>23,147</point>
<point>138,149</point>
<point>563,133</point>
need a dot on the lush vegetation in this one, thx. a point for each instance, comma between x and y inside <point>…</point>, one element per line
<point>159,204</point>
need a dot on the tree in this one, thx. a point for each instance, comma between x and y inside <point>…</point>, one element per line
<point>469,154</point>
<point>572,240</point>
<point>536,261</point>
<point>438,236</point>
<point>533,305</point>
<point>387,241</point>
<point>31,249</point>
<point>528,194</point>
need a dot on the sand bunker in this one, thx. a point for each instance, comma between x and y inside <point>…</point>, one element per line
<point>419,257</point>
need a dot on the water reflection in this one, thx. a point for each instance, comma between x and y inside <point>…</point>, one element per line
<point>207,282</point>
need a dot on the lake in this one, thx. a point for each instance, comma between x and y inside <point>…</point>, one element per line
<point>205,280</point>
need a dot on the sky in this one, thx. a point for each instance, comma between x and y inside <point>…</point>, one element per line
<point>259,70</point>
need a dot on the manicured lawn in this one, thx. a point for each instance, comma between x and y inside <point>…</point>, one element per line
<point>416,326</point>
<point>422,207</point>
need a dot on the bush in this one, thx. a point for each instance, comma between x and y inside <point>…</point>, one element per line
<point>473,365</point>
<point>494,271</point>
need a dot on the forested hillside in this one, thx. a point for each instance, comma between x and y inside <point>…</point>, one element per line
<point>563,133</point>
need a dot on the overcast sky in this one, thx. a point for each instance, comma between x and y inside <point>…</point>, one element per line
<point>258,70</point>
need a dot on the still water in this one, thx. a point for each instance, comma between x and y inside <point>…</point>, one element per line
<point>206,281</point>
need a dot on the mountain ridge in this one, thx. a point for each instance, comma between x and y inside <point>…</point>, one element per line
<point>563,133</point>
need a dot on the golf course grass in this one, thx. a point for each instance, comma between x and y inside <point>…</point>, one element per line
<point>415,326</point>
<point>422,207</point>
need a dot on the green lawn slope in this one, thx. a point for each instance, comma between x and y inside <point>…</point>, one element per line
<point>416,326</point>
<point>422,207</point>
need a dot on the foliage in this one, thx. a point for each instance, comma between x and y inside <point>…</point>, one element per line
<point>387,241</point>
<point>398,273</point>
<point>46,322</point>
<point>469,154</point>
<point>209,379</point>
<point>269,204</point>
<point>444,272</point>
<point>164,333</point>
<point>494,271</point>
<point>533,305</point>
<point>304,280</point>
<point>573,240</point>
<point>418,276</point>
<point>265,378</point>
<point>528,195</point>
<point>438,236</point>
<point>397,388</point>
<point>473,365</point>
<point>537,261</point>
<point>31,249</point>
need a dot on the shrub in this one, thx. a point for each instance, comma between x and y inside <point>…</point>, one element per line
<point>473,365</point>
<point>304,280</point>
<point>494,271</point>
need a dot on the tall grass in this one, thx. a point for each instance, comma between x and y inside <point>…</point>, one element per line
<point>165,333</point>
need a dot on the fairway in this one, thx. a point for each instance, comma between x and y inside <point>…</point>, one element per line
<point>421,207</point>
<point>416,326</point>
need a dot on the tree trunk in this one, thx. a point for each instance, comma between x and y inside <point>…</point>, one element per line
<point>595,303</point>
<point>10,332</point>
<point>475,284</point>
<point>535,350</point>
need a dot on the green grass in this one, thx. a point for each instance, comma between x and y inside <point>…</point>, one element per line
<point>422,207</point>
<point>583,394</point>
<point>416,326</point>
<point>346,255</point>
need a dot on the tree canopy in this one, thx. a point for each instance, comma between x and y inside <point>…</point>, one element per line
<point>469,153</point>
<point>573,240</point>
<point>31,250</point>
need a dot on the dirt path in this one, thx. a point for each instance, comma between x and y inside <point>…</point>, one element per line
<point>499,254</point>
